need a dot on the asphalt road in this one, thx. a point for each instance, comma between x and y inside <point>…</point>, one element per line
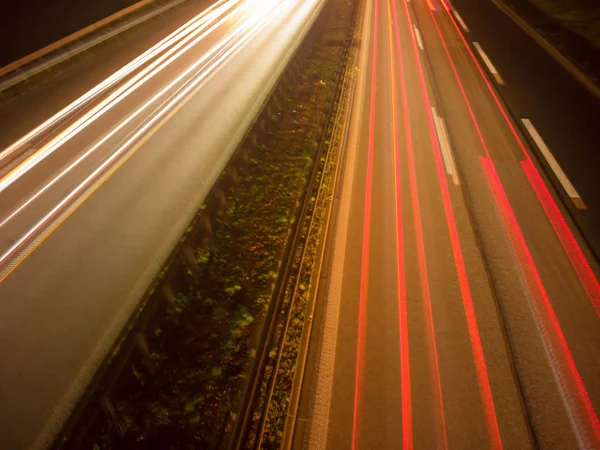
<point>462,308</point>
<point>537,87</point>
<point>92,204</point>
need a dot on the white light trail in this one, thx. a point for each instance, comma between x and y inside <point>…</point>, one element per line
<point>202,19</point>
<point>157,121</point>
<point>110,102</point>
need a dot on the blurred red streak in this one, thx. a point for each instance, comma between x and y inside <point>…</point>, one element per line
<point>583,269</point>
<point>578,260</point>
<point>470,316</point>
<point>544,309</point>
<point>407,433</point>
<point>364,274</point>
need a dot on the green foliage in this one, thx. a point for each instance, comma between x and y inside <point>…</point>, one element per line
<point>230,290</point>
<point>203,256</point>
<point>182,303</point>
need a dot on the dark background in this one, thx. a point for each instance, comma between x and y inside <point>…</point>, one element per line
<point>27,25</point>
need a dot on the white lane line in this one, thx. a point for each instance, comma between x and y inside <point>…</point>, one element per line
<point>446,141</point>
<point>438,131</point>
<point>564,180</point>
<point>442,134</point>
<point>460,21</point>
<point>488,63</point>
<point>418,37</point>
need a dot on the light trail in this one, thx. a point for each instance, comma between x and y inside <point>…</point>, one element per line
<point>485,390</point>
<point>201,19</point>
<point>440,418</point>
<point>210,54</point>
<point>570,245</point>
<point>366,241</point>
<point>158,120</point>
<point>107,104</point>
<point>405,382</point>
<point>579,406</point>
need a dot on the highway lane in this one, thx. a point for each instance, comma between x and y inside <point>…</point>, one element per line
<point>535,86</point>
<point>68,290</point>
<point>536,246</point>
<point>465,304</point>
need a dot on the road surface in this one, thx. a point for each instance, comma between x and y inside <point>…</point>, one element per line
<point>535,86</point>
<point>462,308</point>
<point>94,200</point>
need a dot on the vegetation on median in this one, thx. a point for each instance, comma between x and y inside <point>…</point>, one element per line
<point>299,300</point>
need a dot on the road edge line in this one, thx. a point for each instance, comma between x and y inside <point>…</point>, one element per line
<point>554,165</point>
<point>554,53</point>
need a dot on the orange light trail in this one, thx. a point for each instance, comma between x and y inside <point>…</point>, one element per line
<point>61,211</point>
<point>578,260</point>
<point>542,302</point>
<point>407,432</point>
<point>196,24</point>
<point>366,239</point>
